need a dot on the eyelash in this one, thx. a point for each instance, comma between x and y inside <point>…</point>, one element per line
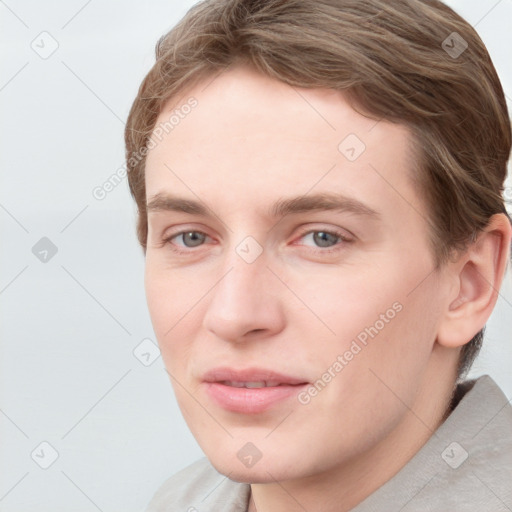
<point>343,239</point>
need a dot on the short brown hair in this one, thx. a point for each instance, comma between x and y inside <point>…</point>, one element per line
<point>403,60</point>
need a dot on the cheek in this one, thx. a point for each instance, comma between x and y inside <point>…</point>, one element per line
<point>379,379</point>
<point>381,327</point>
<point>389,354</point>
<point>170,293</point>
<point>159,297</point>
<point>350,304</point>
<point>170,298</point>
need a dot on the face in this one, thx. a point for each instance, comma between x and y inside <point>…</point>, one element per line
<point>288,275</point>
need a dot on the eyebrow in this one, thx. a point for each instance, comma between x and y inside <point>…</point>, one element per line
<point>281,208</point>
<point>161,202</point>
<point>318,202</point>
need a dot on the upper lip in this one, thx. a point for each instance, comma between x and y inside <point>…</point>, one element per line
<point>250,375</point>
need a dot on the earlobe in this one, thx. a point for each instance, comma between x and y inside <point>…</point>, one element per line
<point>478,274</point>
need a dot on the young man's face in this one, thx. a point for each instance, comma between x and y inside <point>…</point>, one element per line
<point>263,278</point>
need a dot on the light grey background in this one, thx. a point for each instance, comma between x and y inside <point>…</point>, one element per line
<point>70,325</point>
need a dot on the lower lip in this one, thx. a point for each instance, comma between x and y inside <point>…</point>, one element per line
<point>250,400</point>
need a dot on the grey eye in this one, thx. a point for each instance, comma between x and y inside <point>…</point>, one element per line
<point>192,238</point>
<point>324,239</point>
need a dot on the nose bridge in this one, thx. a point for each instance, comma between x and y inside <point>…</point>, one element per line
<point>241,301</point>
<point>242,284</point>
<point>245,267</point>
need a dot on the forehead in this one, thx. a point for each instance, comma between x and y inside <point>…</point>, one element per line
<point>259,137</point>
<point>241,103</point>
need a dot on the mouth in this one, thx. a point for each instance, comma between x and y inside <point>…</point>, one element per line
<point>250,391</point>
<point>253,385</point>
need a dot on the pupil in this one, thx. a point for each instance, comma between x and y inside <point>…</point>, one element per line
<point>193,238</point>
<point>323,239</point>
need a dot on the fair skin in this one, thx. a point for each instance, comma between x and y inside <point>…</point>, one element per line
<point>251,142</point>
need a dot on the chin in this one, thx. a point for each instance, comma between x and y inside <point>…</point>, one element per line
<point>265,470</point>
<point>254,475</point>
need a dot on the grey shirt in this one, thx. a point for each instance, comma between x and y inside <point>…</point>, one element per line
<point>466,466</point>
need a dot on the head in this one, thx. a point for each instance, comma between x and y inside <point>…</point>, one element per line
<point>330,186</point>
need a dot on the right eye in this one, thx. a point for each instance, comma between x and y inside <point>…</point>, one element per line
<point>187,239</point>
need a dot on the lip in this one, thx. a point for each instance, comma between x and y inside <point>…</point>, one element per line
<point>250,400</point>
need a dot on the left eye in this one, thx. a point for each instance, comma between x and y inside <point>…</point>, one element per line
<point>322,238</point>
<point>190,238</point>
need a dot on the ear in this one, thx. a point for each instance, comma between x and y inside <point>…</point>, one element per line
<point>477,277</point>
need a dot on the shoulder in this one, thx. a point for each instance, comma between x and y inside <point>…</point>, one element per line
<point>198,486</point>
<point>486,429</point>
<point>471,453</point>
<point>467,463</point>
<point>476,450</point>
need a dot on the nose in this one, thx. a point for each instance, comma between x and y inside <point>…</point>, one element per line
<point>245,303</point>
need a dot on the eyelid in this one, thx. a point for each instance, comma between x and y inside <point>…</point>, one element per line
<point>183,227</point>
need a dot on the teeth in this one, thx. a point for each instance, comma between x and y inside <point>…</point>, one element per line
<point>258,384</point>
<point>233,384</point>
<point>251,385</point>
